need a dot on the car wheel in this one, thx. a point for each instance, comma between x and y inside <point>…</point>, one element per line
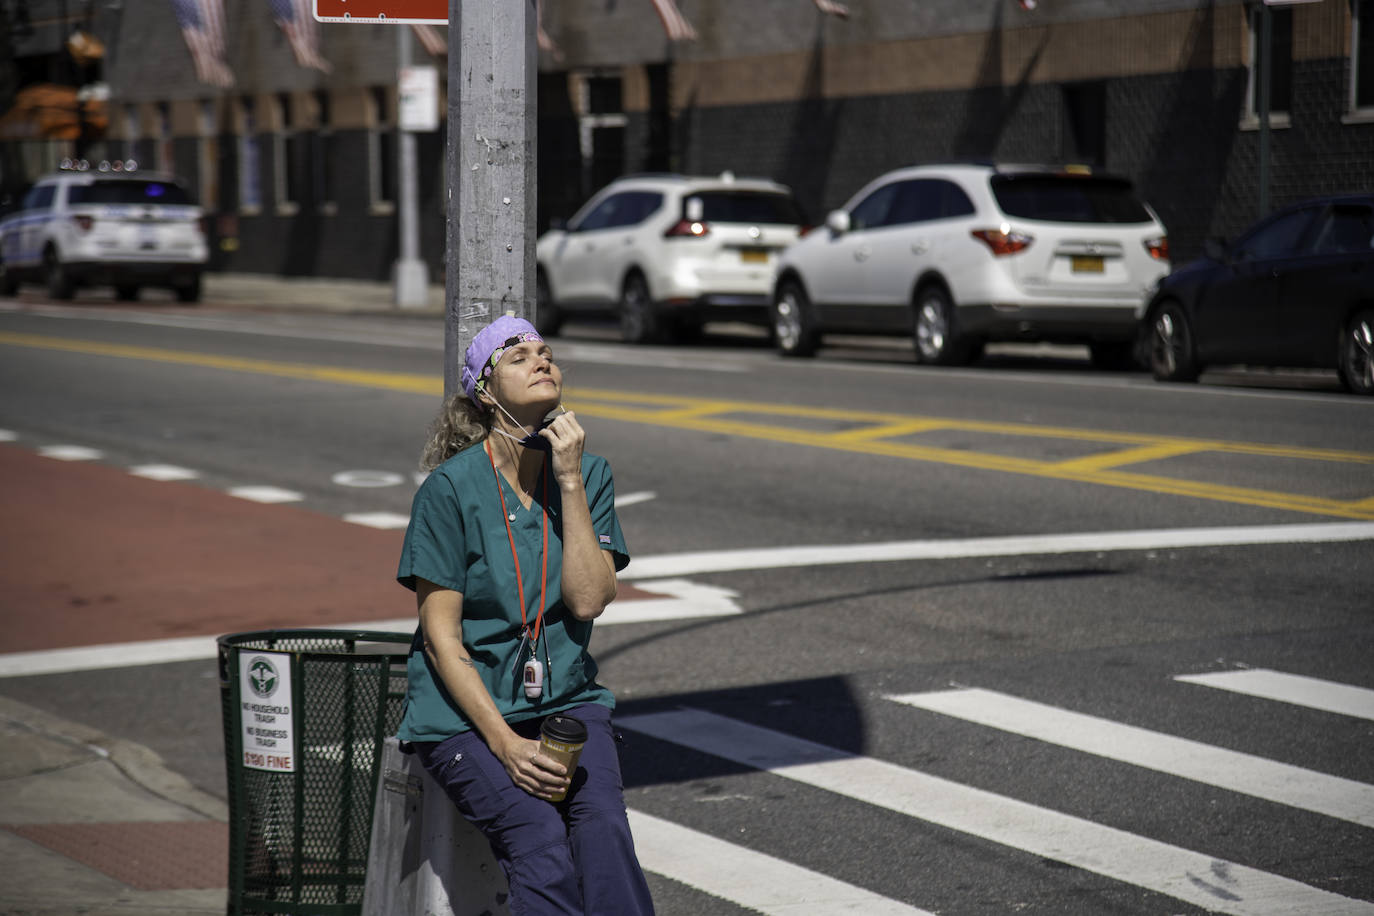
<point>59,282</point>
<point>937,337</point>
<point>794,330</point>
<point>188,291</point>
<point>9,283</point>
<point>1117,356</point>
<point>126,293</point>
<point>1173,356</point>
<point>638,322</point>
<point>1357,353</point>
<point>548,318</point>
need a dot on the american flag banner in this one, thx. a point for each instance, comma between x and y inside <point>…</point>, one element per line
<point>831,8</point>
<point>202,28</point>
<point>297,19</point>
<point>431,39</point>
<point>674,23</point>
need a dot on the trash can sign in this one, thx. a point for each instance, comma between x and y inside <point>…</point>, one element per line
<point>269,729</point>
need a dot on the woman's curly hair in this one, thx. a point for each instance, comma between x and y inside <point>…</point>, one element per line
<point>460,424</point>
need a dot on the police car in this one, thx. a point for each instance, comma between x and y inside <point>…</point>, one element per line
<point>107,224</point>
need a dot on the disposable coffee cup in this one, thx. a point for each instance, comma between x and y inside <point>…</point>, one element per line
<point>561,738</point>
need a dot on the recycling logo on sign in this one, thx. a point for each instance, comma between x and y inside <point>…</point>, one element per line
<point>262,677</point>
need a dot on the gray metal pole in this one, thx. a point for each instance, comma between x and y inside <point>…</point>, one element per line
<point>491,171</point>
<point>410,275</point>
<point>1265,51</point>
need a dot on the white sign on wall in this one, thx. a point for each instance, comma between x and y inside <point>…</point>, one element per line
<point>268,720</point>
<point>419,98</point>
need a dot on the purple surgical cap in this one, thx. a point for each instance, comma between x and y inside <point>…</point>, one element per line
<point>486,348</point>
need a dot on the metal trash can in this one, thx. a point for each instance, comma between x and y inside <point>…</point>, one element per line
<point>305,715</point>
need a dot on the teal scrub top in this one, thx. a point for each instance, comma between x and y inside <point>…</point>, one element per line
<point>457,539</point>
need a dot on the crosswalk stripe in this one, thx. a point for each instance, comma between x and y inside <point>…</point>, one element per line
<point>1298,690</point>
<point>748,878</point>
<point>1196,878</point>
<point>1231,770</point>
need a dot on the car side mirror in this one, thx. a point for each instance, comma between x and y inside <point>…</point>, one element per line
<point>837,221</point>
<point>1215,249</point>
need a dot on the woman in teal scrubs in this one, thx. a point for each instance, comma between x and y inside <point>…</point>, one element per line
<point>512,551</point>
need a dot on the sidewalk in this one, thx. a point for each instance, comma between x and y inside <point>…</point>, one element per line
<point>91,825</point>
<point>310,293</point>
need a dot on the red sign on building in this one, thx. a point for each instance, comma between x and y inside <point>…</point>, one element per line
<point>432,12</point>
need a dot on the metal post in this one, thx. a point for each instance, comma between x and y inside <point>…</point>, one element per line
<point>1265,51</point>
<point>410,275</point>
<point>492,66</point>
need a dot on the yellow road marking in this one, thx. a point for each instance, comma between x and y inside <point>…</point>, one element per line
<point>706,415</point>
<point>1104,460</point>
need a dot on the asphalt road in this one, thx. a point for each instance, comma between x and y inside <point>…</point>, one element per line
<point>894,721</point>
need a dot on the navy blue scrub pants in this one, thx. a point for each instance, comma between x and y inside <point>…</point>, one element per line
<point>572,858</point>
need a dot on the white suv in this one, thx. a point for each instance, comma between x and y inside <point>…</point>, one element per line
<point>89,226</point>
<point>958,255</point>
<point>666,253</point>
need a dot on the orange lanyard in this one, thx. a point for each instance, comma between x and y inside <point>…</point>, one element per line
<point>544,562</point>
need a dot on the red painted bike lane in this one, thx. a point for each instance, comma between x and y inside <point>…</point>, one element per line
<point>92,555</point>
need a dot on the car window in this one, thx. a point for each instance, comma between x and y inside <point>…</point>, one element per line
<point>1069,199</point>
<point>1344,229</point>
<point>1275,239</point>
<point>872,211</point>
<point>39,198</point>
<point>744,207</point>
<point>624,209</point>
<point>125,191</point>
<point>924,199</point>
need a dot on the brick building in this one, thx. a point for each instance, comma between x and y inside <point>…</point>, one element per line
<point>298,165</point>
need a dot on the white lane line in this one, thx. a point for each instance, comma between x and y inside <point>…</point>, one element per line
<point>1314,693</point>
<point>384,520</point>
<point>698,562</point>
<point>70,452</point>
<point>8,435</point>
<point>264,494</point>
<point>1230,770</point>
<point>686,600</point>
<point>1199,879</point>
<point>163,472</point>
<point>750,879</point>
<point>629,499</point>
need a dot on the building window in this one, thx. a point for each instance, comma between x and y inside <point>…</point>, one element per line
<point>601,125</point>
<point>208,159</point>
<point>1280,58</point>
<point>381,152</point>
<point>322,154</point>
<point>1362,57</point>
<point>286,159</point>
<point>250,168</point>
<point>166,156</point>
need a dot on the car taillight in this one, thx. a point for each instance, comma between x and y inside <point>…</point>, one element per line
<point>84,223</point>
<point>1003,241</point>
<point>688,228</point>
<point>1158,247</point>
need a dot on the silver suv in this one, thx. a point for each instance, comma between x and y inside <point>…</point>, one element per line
<point>666,253</point>
<point>958,255</point>
<point>105,226</point>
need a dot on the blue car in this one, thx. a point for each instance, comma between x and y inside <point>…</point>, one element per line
<point>1295,290</point>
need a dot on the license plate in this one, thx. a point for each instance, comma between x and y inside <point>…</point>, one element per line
<point>1087,264</point>
<point>754,255</point>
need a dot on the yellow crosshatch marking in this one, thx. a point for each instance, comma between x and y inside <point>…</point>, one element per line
<point>866,432</point>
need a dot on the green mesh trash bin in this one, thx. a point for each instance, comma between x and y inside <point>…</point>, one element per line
<point>305,715</point>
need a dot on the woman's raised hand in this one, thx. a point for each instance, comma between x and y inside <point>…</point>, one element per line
<point>567,437</point>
